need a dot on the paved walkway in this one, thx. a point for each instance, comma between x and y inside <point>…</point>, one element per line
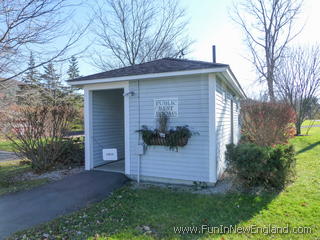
<point>7,156</point>
<point>310,126</point>
<point>26,209</point>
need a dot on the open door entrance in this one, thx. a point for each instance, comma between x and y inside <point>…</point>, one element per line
<point>108,130</point>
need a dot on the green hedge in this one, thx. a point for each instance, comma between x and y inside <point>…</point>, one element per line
<point>267,166</point>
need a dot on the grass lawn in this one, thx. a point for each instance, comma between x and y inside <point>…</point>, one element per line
<point>77,127</point>
<point>9,174</point>
<point>310,123</point>
<point>120,216</point>
<point>5,145</point>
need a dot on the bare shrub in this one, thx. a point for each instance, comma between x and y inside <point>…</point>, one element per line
<point>38,134</point>
<point>267,123</point>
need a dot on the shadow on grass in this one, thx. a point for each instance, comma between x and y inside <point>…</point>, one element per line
<point>164,210</point>
<point>125,213</point>
<point>309,147</point>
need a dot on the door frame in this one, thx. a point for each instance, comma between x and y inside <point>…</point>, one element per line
<point>88,89</point>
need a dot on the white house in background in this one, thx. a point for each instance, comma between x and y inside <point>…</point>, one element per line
<point>120,101</point>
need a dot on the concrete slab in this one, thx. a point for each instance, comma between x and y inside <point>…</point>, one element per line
<point>117,166</point>
<point>26,209</point>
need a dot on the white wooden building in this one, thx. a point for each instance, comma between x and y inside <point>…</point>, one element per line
<point>120,101</point>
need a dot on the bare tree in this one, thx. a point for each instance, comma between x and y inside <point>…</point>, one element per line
<point>268,29</point>
<point>135,31</point>
<point>34,25</point>
<point>298,80</point>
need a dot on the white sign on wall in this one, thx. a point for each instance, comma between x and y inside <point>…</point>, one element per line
<point>109,154</point>
<point>166,105</point>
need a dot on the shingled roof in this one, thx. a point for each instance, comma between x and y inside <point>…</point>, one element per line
<point>156,66</point>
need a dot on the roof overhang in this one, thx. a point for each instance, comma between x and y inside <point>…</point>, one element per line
<point>232,80</point>
<point>147,76</point>
<point>225,71</point>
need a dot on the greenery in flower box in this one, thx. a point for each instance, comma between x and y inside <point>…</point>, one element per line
<point>173,138</point>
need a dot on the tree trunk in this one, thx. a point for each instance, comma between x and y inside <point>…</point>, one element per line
<point>270,88</point>
<point>298,128</point>
<point>270,82</point>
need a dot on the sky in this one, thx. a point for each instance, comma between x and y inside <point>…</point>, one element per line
<point>210,24</point>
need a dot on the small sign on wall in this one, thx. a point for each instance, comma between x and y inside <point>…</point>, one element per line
<point>109,154</point>
<point>166,105</point>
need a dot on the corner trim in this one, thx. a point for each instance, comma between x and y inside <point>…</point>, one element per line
<point>212,128</point>
<point>88,128</point>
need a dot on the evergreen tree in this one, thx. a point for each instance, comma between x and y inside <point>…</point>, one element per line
<point>50,78</point>
<point>32,75</point>
<point>73,70</point>
<point>52,85</point>
<point>30,92</point>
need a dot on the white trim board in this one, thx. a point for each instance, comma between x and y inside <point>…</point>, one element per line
<point>230,78</point>
<point>88,128</point>
<point>212,128</point>
<point>88,89</point>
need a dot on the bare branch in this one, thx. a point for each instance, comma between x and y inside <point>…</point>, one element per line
<point>267,26</point>
<point>298,80</point>
<point>135,31</point>
<point>32,25</point>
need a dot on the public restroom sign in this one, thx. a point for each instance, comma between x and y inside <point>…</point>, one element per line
<point>166,105</point>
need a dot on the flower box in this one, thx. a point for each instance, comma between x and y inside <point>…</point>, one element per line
<point>174,138</point>
<point>163,141</point>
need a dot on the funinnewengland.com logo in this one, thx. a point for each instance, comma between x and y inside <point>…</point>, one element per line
<point>252,229</point>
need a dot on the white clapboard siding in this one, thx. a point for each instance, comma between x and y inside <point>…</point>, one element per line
<point>223,125</point>
<point>107,123</point>
<point>190,162</point>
